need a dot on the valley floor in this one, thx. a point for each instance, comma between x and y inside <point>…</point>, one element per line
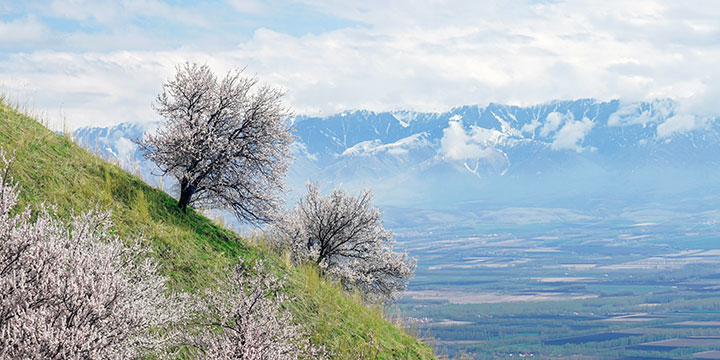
<point>591,289</point>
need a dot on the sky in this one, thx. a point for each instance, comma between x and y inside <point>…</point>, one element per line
<point>97,63</point>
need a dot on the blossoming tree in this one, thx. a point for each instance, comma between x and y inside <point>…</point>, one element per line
<point>225,141</point>
<point>344,236</point>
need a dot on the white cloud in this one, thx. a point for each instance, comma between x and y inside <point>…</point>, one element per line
<point>572,134</point>
<point>456,144</point>
<point>249,6</point>
<point>120,11</point>
<point>530,128</point>
<point>553,121</point>
<point>680,124</point>
<point>400,54</point>
<point>560,50</point>
<point>88,89</point>
<point>634,113</point>
<point>24,32</point>
<point>665,114</point>
<point>126,148</point>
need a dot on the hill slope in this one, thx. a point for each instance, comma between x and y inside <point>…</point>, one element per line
<point>192,249</point>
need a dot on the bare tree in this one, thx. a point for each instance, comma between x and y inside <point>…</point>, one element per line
<point>246,317</point>
<point>76,292</point>
<point>226,142</point>
<point>344,236</point>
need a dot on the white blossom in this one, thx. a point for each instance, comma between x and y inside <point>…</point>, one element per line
<point>344,236</point>
<point>76,292</point>
<point>226,142</point>
<point>245,317</point>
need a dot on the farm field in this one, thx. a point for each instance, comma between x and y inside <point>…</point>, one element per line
<point>607,288</point>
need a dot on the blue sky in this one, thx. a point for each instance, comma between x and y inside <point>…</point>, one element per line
<point>102,62</point>
<point>160,25</point>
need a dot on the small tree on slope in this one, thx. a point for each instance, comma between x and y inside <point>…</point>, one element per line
<point>225,141</point>
<point>344,236</point>
<point>78,292</point>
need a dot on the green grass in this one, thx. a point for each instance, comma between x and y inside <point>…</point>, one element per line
<point>193,251</point>
<point>368,335</point>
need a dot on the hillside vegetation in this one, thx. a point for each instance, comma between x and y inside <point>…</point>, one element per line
<point>192,250</point>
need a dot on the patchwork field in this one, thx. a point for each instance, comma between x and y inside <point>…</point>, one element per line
<point>603,289</point>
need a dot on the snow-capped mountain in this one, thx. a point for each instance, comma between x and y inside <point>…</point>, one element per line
<point>116,142</point>
<point>547,152</point>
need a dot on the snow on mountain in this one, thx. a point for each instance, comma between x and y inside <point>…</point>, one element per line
<point>400,147</point>
<point>117,141</point>
<point>497,151</point>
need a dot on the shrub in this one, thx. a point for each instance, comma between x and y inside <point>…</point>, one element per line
<point>76,291</point>
<point>245,317</point>
<point>344,236</point>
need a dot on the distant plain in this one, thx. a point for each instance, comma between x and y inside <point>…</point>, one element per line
<point>631,281</point>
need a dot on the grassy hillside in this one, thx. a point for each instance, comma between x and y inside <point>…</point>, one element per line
<point>193,250</point>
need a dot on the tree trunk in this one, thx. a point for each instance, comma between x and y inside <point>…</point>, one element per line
<point>186,192</point>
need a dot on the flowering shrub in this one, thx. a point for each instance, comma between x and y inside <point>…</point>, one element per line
<point>245,318</point>
<point>344,236</point>
<point>77,291</point>
<point>73,290</point>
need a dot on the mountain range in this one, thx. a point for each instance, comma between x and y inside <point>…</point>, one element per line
<point>561,153</point>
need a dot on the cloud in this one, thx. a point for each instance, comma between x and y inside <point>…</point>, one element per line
<point>666,114</point>
<point>456,144</point>
<point>24,32</point>
<point>88,89</point>
<point>553,121</point>
<point>249,6</point>
<point>125,148</point>
<point>382,55</point>
<point>530,128</point>
<point>635,113</point>
<point>572,134</point>
<point>122,11</point>
<point>680,124</point>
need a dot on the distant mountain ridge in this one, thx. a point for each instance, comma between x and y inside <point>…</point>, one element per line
<point>408,155</point>
<point>578,126</point>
